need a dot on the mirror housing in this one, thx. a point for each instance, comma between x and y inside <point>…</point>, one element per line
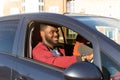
<point>83,71</point>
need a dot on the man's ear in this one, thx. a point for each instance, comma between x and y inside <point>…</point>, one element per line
<point>41,33</point>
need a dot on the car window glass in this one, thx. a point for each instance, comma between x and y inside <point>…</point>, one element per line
<point>109,65</point>
<point>111,32</point>
<point>107,26</point>
<point>7,34</point>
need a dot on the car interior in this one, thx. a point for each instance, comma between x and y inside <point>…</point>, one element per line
<point>67,38</point>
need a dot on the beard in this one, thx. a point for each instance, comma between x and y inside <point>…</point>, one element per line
<point>50,41</point>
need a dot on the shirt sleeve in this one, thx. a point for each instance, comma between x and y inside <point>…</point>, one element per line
<point>47,57</point>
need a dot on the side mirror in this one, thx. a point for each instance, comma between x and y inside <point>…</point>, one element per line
<point>83,71</point>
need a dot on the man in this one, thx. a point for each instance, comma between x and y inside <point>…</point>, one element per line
<point>46,51</point>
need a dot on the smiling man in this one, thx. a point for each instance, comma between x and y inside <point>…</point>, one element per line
<point>47,50</point>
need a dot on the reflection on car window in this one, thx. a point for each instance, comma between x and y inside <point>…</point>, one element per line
<point>111,32</point>
<point>110,67</point>
<point>108,26</point>
<point>7,34</point>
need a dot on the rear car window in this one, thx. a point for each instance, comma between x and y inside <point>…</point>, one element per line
<point>7,35</point>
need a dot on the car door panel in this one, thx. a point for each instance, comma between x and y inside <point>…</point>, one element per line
<point>6,65</point>
<point>36,71</point>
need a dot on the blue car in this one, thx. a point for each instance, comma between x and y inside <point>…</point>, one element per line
<point>19,34</point>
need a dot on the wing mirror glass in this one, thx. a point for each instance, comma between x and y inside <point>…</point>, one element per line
<point>83,71</point>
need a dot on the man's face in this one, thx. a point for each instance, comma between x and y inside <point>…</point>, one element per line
<point>51,35</point>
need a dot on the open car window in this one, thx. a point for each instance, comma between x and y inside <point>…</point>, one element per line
<point>67,40</point>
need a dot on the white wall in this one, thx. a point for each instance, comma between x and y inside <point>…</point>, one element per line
<point>31,6</point>
<point>1,7</point>
<point>109,8</point>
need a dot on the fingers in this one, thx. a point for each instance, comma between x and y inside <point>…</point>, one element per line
<point>87,57</point>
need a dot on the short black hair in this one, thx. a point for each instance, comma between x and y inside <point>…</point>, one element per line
<point>44,26</point>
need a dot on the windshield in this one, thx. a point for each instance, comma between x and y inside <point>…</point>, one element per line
<point>107,26</point>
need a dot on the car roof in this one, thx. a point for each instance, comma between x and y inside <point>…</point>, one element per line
<point>18,16</point>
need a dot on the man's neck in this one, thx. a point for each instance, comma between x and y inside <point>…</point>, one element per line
<point>48,45</point>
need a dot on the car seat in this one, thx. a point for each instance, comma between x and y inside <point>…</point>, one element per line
<point>34,37</point>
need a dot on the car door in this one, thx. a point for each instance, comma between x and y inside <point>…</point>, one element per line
<point>29,69</point>
<point>8,30</point>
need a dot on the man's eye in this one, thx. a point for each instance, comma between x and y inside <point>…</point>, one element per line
<point>52,32</point>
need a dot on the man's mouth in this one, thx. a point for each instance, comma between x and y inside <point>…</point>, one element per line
<point>55,39</point>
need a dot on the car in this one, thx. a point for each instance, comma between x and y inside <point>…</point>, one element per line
<point>19,34</point>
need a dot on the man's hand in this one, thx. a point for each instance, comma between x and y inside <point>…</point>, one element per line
<point>88,57</point>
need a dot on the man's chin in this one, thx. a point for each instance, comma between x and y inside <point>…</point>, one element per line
<point>55,43</point>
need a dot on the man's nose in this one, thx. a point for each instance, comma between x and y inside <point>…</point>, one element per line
<point>56,34</point>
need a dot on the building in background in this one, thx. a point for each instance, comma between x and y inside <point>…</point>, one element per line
<point>1,7</point>
<point>12,7</point>
<point>30,6</point>
<point>108,8</point>
<point>56,6</point>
